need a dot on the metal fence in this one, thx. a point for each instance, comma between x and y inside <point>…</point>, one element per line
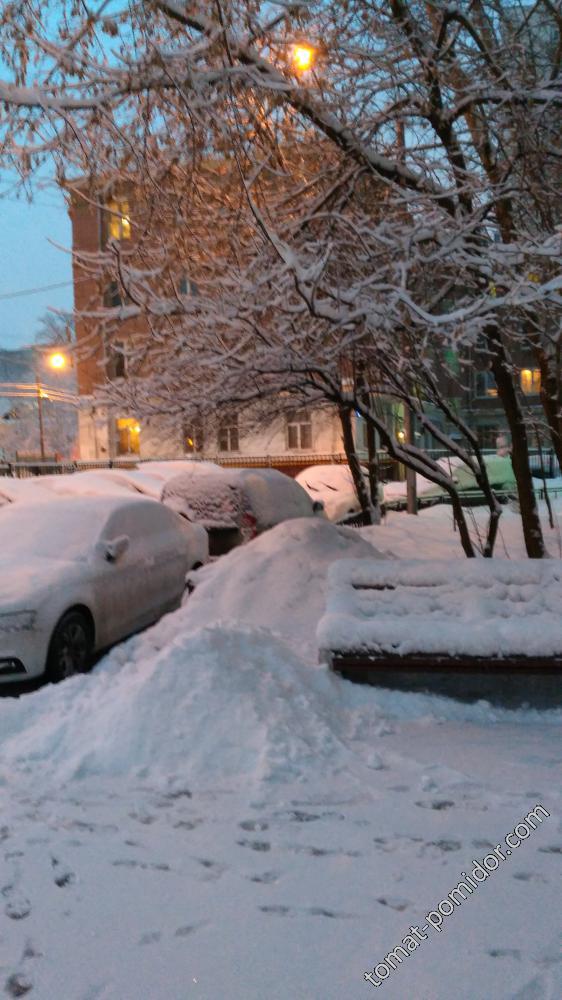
<point>24,469</point>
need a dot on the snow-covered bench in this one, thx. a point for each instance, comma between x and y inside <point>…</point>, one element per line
<point>476,628</point>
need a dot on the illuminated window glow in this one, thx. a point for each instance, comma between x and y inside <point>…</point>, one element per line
<point>530,381</point>
<point>118,219</point>
<point>128,436</point>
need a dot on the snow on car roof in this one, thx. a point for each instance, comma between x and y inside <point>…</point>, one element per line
<point>64,527</point>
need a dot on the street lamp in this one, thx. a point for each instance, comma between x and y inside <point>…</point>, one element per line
<point>58,361</point>
<point>303,57</point>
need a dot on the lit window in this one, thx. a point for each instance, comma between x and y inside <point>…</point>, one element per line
<point>299,431</point>
<point>118,219</point>
<point>228,435</point>
<point>128,436</point>
<point>530,381</point>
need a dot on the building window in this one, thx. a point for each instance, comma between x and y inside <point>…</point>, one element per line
<point>188,287</point>
<point>118,220</point>
<point>116,364</point>
<point>228,435</point>
<point>128,436</point>
<point>485,384</point>
<point>299,431</point>
<point>530,381</point>
<point>112,296</point>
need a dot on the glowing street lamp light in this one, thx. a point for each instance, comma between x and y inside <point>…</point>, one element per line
<point>303,57</point>
<point>57,360</point>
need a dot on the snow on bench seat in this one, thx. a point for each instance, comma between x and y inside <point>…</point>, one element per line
<point>463,614</point>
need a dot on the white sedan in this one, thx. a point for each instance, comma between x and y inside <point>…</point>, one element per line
<point>79,574</point>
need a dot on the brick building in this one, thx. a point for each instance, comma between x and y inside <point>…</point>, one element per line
<point>290,443</point>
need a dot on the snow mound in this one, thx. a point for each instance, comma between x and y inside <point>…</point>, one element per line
<point>217,703</point>
<point>277,581</point>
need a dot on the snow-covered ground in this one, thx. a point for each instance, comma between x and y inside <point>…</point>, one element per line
<point>211,814</point>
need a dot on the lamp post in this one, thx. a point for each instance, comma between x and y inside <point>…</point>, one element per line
<point>58,361</point>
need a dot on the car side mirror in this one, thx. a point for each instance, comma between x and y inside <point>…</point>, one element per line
<point>116,547</point>
<point>317,506</point>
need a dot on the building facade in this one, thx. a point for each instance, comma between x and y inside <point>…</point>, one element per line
<point>292,442</point>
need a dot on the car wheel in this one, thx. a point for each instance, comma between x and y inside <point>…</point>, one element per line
<point>71,647</point>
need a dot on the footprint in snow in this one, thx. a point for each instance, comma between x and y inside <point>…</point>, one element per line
<point>394,903</point>
<point>528,877</point>
<point>18,985</point>
<point>187,824</point>
<point>151,938</point>
<point>265,878</point>
<point>17,906</point>
<point>63,875</point>
<point>445,845</point>
<point>504,953</point>
<point>158,866</point>
<point>437,804</point>
<point>190,928</point>
<point>214,869</point>
<point>277,911</point>
<point>253,825</point>
<point>255,845</point>
<point>323,852</point>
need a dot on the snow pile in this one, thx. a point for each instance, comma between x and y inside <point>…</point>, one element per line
<point>215,703</point>
<point>278,581</point>
<point>477,607</point>
<point>228,699</point>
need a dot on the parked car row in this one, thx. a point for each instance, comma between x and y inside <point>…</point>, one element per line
<point>91,557</point>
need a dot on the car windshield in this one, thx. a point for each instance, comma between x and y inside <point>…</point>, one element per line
<point>50,530</point>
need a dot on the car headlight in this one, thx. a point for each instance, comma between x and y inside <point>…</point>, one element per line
<point>17,621</point>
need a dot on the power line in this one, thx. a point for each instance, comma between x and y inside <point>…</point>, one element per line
<point>34,291</point>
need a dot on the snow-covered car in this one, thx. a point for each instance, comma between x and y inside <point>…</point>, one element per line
<point>332,485</point>
<point>215,502</point>
<point>235,505</point>
<point>14,490</point>
<point>80,573</point>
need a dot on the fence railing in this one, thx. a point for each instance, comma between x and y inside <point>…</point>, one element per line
<point>23,469</point>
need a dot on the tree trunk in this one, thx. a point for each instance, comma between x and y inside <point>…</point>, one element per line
<point>354,464</point>
<point>532,530</point>
<point>374,478</point>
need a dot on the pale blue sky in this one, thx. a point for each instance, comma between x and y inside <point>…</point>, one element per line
<point>28,260</point>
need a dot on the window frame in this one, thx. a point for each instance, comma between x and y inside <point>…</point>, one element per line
<point>299,427</point>
<point>228,435</point>
<point>117,219</point>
